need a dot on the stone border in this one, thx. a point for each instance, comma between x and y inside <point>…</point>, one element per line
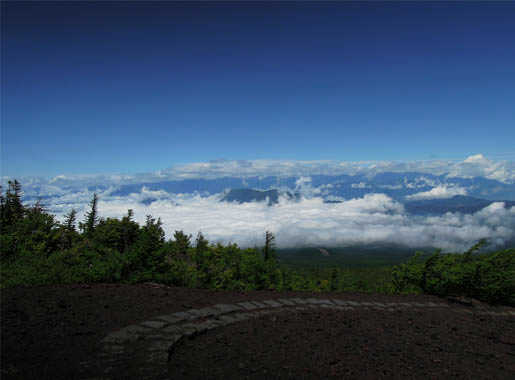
<point>161,335</point>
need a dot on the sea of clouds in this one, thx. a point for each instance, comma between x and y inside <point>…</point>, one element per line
<point>308,221</point>
<point>372,219</point>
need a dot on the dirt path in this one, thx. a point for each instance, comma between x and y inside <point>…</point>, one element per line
<point>123,331</point>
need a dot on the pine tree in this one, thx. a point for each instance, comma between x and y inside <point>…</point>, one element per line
<point>69,229</point>
<point>154,232</point>
<point>129,230</point>
<point>201,243</point>
<point>13,208</point>
<point>16,194</point>
<point>182,242</point>
<point>269,245</point>
<point>3,210</point>
<point>91,217</point>
<point>69,221</point>
<point>201,247</point>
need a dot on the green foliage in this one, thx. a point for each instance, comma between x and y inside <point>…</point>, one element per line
<point>489,277</point>
<point>28,228</point>
<point>86,264</point>
<point>69,221</point>
<point>81,264</point>
<point>405,276</point>
<point>11,207</point>
<point>201,249</point>
<point>182,243</point>
<point>26,270</point>
<point>12,213</point>
<point>88,226</point>
<point>68,234</point>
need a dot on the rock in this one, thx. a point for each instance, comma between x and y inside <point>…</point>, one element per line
<point>466,301</point>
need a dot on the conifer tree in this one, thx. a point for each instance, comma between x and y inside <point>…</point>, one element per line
<point>129,230</point>
<point>13,206</point>
<point>69,229</point>
<point>201,246</point>
<point>201,243</point>
<point>69,221</point>
<point>3,207</point>
<point>91,216</point>
<point>150,241</point>
<point>269,245</point>
<point>182,242</point>
<point>16,194</point>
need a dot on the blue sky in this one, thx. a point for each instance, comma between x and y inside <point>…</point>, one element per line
<point>134,87</point>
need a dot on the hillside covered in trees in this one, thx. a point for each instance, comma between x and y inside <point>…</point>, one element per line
<point>37,249</point>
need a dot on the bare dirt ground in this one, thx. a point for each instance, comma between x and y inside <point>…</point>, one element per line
<point>46,332</point>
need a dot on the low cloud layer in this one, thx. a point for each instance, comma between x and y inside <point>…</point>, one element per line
<point>439,192</point>
<point>372,219</point>
<point>473,166</point>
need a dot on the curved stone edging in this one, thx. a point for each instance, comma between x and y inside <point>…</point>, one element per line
<point>162,334</point>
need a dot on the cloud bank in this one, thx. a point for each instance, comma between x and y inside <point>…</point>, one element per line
<point>473,166</point>
<point>363,217</point>
<point>439,192</point>
<point>372,219</point>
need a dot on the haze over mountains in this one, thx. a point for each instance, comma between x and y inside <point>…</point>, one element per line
<point>443,204</point>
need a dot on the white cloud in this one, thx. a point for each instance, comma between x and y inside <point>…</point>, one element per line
<point>439,192</point>
<point>476,159</point>
<point>476,165</point>
<point>473,166</point>
<point>372,219</point>
<point>419,182</point>
<point>303,187</point>
<point>479,166</point>
<point>392,187</point>
<point>361,185</point>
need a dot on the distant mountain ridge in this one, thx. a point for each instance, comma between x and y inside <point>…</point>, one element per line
<point>251,195</point>
<point>458,203</point>
<point>331,188</point>
<point>395,185</point>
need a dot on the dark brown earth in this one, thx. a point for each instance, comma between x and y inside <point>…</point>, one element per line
<point>47,331</point>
